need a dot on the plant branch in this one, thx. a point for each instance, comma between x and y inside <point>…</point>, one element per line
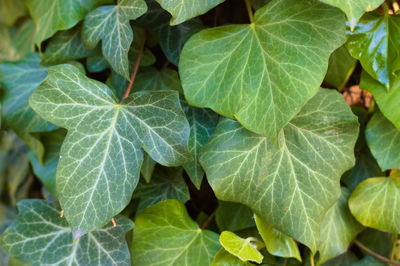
<point>249,10</point>
<point>206,222</point>
<point>134,70</point>
<point>374,254</point>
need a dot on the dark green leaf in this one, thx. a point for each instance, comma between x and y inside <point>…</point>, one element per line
<point>341,66</point>
<point>233,216</point>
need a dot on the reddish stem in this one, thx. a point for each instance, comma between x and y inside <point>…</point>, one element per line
<point>134,71</point>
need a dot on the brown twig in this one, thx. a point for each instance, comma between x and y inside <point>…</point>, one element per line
<point>206,222</point>
<point>134,70</point>
<point>374,254</point>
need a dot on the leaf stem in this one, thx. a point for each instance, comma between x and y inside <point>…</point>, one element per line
<point>374,254</point>
<point>249,10</point>
<point>312,263</point>
<point>206,222</point>
<point>134,70</point>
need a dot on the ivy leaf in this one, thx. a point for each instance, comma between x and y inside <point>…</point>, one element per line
<point>341,66</point>
<point>166,183</point>
<point>10,11</point>
<point>166,235</point>
<point>147,168</point>
<point>231,216</point>
<point>242,248</point>
<point>202,124</point>
<point>101,156</point>
<point>250,73</point>
<point>354,9</point>
<point>52,16</point>
<point>384,141</point>
<point>277,244</point>
<point>376,43</point>
<point>151,79</point>
<point>65,46</point>
<point>110,24</point>
<point>298,178</point>
<point>41,237</point>
<point>375,203</point>
<point>96,63</point>
<point>184,10</point>
<point>387,101</point>
<point>338,229</point>
<point>19,80</point>
<point>224,258</point>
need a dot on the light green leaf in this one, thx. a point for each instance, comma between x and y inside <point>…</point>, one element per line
<point>376,43</point>
<point>51,16</point>
<point>147,168</point>
<point>110,24</point>
<point>11,10</point>
<point>354,9</point>
<point>388,101</point>
<point>101,156</point>
<point>244,249</point>
<point>65,46</point>
<point>41,237</point>
<point>251,73</point>
<point>184,10</point>
<point>165,235</point>
<point>375,203</point>
<point>277,244</point>
<point>341,66</point>
<point>46,171</point>
<point>202,124</point>
<point>338,229</point>
<point>19,80</point>
<point>232,216</point>
<point>166,183</point>
<point>293,183</point>
<point>224,258</point>
<point>384,141</point>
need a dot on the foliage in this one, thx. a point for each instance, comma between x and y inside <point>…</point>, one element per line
<point>199,132</point>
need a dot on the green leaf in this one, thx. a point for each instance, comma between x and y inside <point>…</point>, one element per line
<point>354,9</point>
<point>110,24</point>
<point>298,177</point>
<point>338,229</point>
<point>147,168</point>
<point>184,10</point>
<point>387,101</point>
<point>46,172</point>
<point>202,124</point>
<point>277,244</point>
<point>242,248</point>
<point>54,15</point>
<point>65,46</point>
<point>101,156</point>
<point>341,66</point>
<point>375,203</point>
<point>96,63</point>
<point>41,237</point>
<point>346,259</point>
<point>11,10</point>
<point>251,73</point>
<point>151,79</point>
<point>224,258</point>
<point>232,216</point>
<point>19,80</point>
<point>166,183</point>
<point>384,141</point>
<point>166,235</point>
<point>375,41</point>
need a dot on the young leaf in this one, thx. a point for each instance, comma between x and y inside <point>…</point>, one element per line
<point>384,141</point>
<point>101,156</point>
<point>375,203</point>
<point>19,80</point>
<point>165,184</point>
<point>184,10</point>
<point>251,73</point>
<point>298,177</point>
<point>55,15</point>
<point>165,235</point>
<point>388,101</point>
<point>41,237</point>
<point>376,43</point>
<point>110,24</point>
<point>232,216</point>
<point>242,248</point>
<point>277,244</point>
<point>65,46</point>
<point>354,9</point>
<point>338,229</point>
<point>224,258</point>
